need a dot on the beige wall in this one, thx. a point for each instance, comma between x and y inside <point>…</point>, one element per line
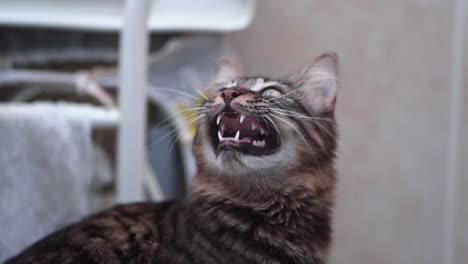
<point>462,183</point>
<point>393,115</point>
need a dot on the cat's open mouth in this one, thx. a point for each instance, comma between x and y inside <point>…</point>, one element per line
<point>234,131</point>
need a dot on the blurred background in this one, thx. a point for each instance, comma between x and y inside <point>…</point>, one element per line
<point>402,116</point>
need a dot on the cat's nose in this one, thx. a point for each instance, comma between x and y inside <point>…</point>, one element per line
<point>229,94</point>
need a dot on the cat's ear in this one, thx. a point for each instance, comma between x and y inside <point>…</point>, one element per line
<point>318,82</point>
<point>226,71</point>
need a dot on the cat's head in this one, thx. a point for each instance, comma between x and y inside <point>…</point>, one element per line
<point>256,126</point>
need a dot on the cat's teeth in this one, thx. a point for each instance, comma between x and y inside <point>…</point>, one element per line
<point>263,131</point>
<point>218,119</point>
<point>237,135</point>
<point>220,137</point>
<point>242,117</point>
<point>259,143</point>
<point>254,126</point>
<point>262,143</point>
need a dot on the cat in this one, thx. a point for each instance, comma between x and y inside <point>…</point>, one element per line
<point>263,191</point>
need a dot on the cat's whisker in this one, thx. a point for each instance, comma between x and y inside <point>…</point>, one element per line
<point>176,130</point>
<point>201,93</point>
<point>176,138</point>
<point>315,119</point>
<point>159,139</point>
<point>298,115</point>
<point>293,127</point>
<point>326,130</point>
<point>195,109</point>
<point>178,135</point>
<point>289,114</point>
<point>179,92</point>
<point>273,123</point>
<point>302,137</point>
<point>303,117</point>
<point>284,110</point>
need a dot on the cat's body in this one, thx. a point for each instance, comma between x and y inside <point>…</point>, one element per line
<point>217,232</point>
<point>264,196</point>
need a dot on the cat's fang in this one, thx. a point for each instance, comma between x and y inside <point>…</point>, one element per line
<point>237,135</point>
<point>218,119</point>
<point>254,126</point>
<point>220,137</point>
<point>242,117</point>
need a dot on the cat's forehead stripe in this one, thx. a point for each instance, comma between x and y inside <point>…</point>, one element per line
<point>257,85</point>
<point>260,84</point>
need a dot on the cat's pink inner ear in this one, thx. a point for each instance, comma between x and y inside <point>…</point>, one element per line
<point>319,81</point>
<point>226,71</point>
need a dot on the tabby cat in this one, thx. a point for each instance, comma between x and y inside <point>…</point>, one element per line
<point>263,192</point>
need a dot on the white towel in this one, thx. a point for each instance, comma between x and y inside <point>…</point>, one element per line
<point>46,169</point>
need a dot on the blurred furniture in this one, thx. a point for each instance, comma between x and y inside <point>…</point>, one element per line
<point>134,19</point>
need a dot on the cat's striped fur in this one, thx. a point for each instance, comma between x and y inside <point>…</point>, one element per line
<point>242,208</point>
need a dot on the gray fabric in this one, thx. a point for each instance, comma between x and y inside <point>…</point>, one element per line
<point>46,170</point>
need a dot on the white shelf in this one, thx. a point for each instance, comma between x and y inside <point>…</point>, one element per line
<point>106,15</point>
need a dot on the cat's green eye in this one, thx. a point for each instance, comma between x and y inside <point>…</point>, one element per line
<point>271,93</point>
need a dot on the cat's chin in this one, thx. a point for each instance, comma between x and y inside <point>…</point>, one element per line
<point>232,131</point>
